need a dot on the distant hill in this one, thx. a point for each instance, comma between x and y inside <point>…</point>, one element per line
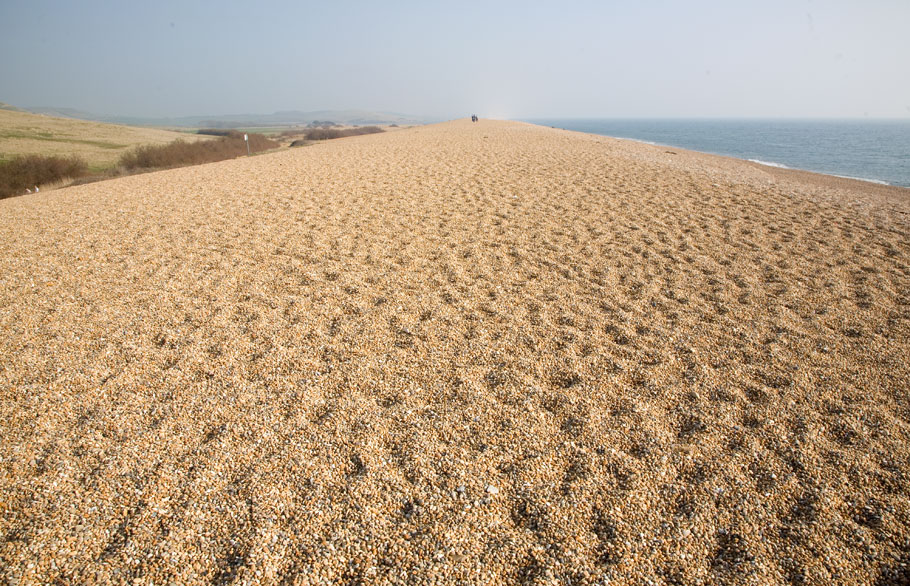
<point>295,117</point>
<point>62,113</point>
<point>283,118</point>
<point>5,106</point>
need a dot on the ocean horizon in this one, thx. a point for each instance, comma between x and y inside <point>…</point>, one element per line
<point>876,150</point>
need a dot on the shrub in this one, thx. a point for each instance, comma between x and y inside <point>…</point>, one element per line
<point>330,133</point>
<point>298,143</point>
<point>180,153</point>
<point>216,131</point>
<point>322,134</point>
<point>26,171</point>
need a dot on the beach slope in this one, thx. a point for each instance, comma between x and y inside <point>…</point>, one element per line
<point>462,353</point>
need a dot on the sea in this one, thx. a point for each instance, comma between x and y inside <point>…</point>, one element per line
<point>871,150</point>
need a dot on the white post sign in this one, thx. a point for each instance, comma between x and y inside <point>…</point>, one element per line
<point>247,139</point>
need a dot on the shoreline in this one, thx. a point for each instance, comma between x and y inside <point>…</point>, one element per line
<point>771,164</point>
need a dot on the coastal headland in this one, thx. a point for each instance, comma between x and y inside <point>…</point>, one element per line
<point>461,353</point>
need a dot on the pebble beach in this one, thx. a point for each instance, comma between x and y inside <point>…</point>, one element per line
<point>463,353</point>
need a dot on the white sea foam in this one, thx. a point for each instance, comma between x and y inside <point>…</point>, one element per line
<point>779,166</point>
<point>639,140</point>
<point>768,164</point>
<point>878,181</point>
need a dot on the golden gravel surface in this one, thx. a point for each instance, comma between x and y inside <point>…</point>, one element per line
<point>462,353</point>
<point>100,145</point>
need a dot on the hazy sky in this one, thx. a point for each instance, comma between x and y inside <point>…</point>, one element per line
<point>789,58</point>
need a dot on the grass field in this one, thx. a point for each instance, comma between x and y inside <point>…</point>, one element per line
<point>100,145</point>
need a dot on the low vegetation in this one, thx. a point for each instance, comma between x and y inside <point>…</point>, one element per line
<point>98,144</point>
<point>330,133</point>
<point>325,132</point>
<point>317,130</point>
<point>215,131</point>
<point>24,172</point>
<point>27,171</point>
<point>180,153</point>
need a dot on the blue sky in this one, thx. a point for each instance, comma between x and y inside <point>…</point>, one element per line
<point>799,58</point>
